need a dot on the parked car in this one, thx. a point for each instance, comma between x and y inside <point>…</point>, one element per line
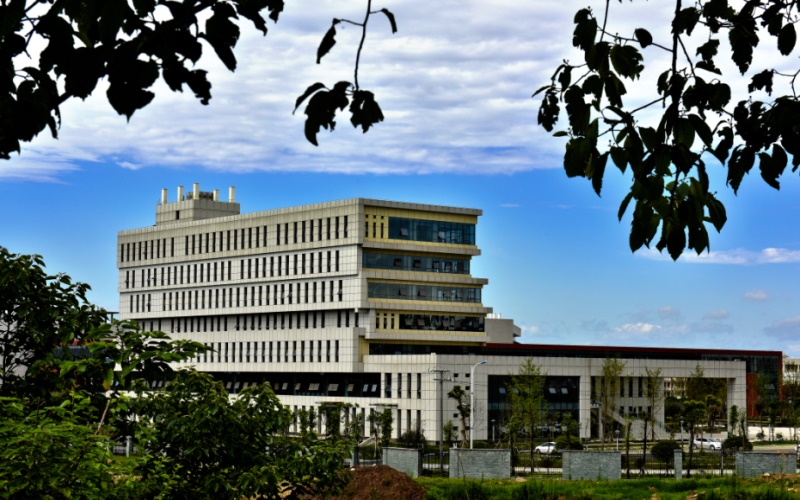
<point>545,448</point>
<point>706,444</point>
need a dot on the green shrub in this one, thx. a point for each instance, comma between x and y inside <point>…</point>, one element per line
<point>664,451</point>
<point>737,443</point>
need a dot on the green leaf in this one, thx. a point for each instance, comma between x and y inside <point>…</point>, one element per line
<point>743,38</point>
<point>365,111</point>
<point>595,171</point>
<point>716,212</point>
<point>310,90</point>
<point>702,129</point>
<point>222,33</point>
<point>685,21</point>
<point>585,29</point>
<point>328,41</point>
<point>627,61</point>
<point>390,16</point>
<point>787,39</point>
<point>623,207</point>
<point>643,37</point>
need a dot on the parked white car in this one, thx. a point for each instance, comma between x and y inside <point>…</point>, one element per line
<point>545,448</point>
<point>706,444</point>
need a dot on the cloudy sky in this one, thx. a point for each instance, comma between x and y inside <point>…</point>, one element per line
<point>455,84</point>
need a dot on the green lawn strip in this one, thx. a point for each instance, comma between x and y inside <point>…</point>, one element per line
<point>663,489</point>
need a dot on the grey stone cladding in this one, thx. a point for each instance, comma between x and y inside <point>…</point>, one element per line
<point>405,460</point>
<point>678,464</point>
<point>480,464</point>
<point>591,465</point>
<point>757,463</point>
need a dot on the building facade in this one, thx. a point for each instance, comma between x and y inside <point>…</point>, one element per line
<point>360,301</point>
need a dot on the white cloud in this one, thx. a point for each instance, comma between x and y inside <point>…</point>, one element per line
<point>785,329</point>
<point>669,312</point>
<point>635,329</point>
<point>757,295</point>
<point>738,256</point>
<point>529,330</point>
<point>716,314</point>
<point>128,165</point>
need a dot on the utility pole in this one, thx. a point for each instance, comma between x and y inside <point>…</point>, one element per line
<point>441,373</point>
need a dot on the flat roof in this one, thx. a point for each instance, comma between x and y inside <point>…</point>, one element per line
<point>628,349</point>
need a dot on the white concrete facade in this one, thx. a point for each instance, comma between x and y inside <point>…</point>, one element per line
<point>291,296</point>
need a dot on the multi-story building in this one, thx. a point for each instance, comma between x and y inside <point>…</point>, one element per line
<point>361,301</point>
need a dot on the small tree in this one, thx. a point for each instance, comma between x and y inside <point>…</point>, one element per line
<point>694,413</point>
<point>609,392</point>
<point>654,393</point>
<point>449,433</point>
<point>733,420</point>
<point>458,394</point>
<point>385,419</point>
<point>526,402</point>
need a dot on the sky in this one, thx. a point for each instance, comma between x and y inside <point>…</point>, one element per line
<point>455,85</point>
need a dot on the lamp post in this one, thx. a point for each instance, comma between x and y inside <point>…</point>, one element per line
<point>472,399</point>
<point>492,430</point>
<point>681,432</point>
<point>616,434</point>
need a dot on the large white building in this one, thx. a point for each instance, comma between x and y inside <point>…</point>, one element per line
<point>365,302</point>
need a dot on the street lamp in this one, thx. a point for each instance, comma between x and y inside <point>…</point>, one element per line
<point>493,430</point>
<point>681,432</point>
<point>616,433</point>
<point>472,399</point>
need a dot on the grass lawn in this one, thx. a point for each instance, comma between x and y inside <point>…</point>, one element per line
<point>773,488</point>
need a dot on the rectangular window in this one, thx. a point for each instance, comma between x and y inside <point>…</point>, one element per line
<point>249,237</point>
<point>236,240</point>
<point>303,234</point>
<point>294,232</point>
<point>345,226</point>
<point>337,351</point>
<point>336,266</point>
<point>286,233</point>
<point>336,230</point>
<point>277,234</point>
<point>228,240</point>
<point>327,350</point>
<point>319,229</point>
<point>419,386</point>
<point>328,229</point>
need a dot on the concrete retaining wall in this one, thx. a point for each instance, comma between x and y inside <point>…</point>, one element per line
<point>404,459</point>
<point>591,465</point>
<point>480,464</point>
<point>756,463</point>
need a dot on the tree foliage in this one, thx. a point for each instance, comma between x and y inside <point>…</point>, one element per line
<point>654,393</point>
<point>705,116</point>
<point>73,383</point>
<point>324,103</point>
<point>131,45</point>
<point>209,443</point>
<point>459,395</point>
<point>609,393</point>
<point>527,406</point>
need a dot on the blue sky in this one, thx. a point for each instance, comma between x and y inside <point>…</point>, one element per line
<point>460,130</point>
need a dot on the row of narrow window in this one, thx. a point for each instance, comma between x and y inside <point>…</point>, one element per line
<point>271,352</point>
<point>429,322</point>
<point>212,272</point>
<point>387,385</point>
<point>237,239</point>
<point>411,291</point>
<point>244,296</point>
<point>253,322</point>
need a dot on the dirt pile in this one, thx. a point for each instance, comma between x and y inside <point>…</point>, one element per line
<point>380,482</point>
